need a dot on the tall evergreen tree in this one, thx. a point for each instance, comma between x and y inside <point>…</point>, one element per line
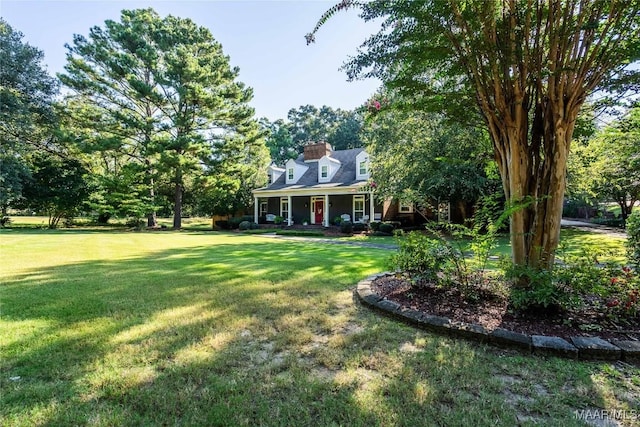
<point>166,95</point>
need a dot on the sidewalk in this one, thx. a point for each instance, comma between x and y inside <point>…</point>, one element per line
<point>595,228</point>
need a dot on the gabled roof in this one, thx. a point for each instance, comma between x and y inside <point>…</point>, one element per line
<point>344,177</point>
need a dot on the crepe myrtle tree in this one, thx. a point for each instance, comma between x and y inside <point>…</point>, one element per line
<point>527,65</point>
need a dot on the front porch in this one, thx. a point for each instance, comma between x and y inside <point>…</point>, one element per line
<point>316,209</point>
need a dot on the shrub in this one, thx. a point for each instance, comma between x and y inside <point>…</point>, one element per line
<point>223,224</point>
<point>278,220</point>
<point>424,258</point>
<point>234,223</point>
<point>358,226</point>
<point>610,222</point>
<point>254,226</point>
<point>346,227</point>
<point>103,218</point>
<point>535,290</point>
<point>4,221</point>
<point>136,223</point>
<point>244,225</point>
<point>633,239</point>
<point>337,220</point>
<point>374,225</point>
<point>386,228</point>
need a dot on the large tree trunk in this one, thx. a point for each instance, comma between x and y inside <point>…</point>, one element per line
<point>177,201</point>
<point>532,160</point>
<point>152,220</point>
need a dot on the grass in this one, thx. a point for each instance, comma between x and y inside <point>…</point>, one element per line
<point>191,328</point>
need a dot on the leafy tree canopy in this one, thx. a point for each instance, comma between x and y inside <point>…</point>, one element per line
<point>167,97</point>
<point>528,67</point>
<point>307,124</point>
<point>27,119</point>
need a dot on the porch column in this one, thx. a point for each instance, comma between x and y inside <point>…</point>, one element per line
<point>326,211</point>
<point>289,220</point>
<point>255,209</point>
<point>372,207</point>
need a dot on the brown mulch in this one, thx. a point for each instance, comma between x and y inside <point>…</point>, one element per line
<point>492,311</point>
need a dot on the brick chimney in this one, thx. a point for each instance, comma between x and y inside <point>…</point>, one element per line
<point>316,151</point>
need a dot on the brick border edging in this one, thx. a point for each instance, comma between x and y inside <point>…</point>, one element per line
<point>585,348</point>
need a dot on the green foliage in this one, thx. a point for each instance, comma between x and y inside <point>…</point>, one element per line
<point>375,225</point>
<point>607,167</point>
<point>386,228</point>
<point>359,227</point>
<point>156,88</point>
<point>27,117</point>
<point>346,227</point>
<point>248,225</point>
<point>498,63</point>
<point>540,292</point>
<point>286,139</point>
<point>278,220</point>
<point>426,158</point>
<point>57,187</point>
<point>424,258</point>
<point>633,239</point>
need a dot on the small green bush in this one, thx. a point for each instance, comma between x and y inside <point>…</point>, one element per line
<point>346,227</point>
<point>358,227</point>
<point>4,221</point>
<point>244,225</point>
<point>223,224</point>
<point>535,290</point>
<point>386,228</point>
<point>234,223</point>
<point>633,239</point>
<point>424,258</point>
<point>374,225</point>
<point>609,222</point>
<point>337,220</point>
<point>278,220</point>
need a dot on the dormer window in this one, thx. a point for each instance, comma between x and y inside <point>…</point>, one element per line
<point>269,179</point>
<point>290,174</point>
<point>363,168</point>
<point>324,173</point>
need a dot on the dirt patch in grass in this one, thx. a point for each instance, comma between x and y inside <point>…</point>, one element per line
<point>493,311</point>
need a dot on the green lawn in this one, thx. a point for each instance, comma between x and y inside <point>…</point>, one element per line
<point>194,328</point>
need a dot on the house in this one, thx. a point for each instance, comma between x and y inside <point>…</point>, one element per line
<point>318,186</point>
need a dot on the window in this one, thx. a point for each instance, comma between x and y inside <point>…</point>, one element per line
<point>324,171</point>
<point>284,208</point>
<point>269,179</point>
<point>358,208</point>
<point>290,173</point>
<point>363,168</point>
<point>263,207</point>
<point>406,207</point>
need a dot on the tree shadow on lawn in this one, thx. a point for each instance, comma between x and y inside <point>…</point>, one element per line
<point>257,334</point>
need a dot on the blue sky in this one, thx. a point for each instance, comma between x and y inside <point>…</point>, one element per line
<point>264,38</point>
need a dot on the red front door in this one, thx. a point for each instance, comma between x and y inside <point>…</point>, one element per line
<point>319,211</point>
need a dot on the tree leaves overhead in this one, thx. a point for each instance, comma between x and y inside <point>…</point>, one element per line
<point>308,123</point>
<point>525,66</point>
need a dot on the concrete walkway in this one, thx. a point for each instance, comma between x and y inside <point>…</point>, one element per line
<point>595,228</point>
<point>579,225</point>
<point>336,241</point>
